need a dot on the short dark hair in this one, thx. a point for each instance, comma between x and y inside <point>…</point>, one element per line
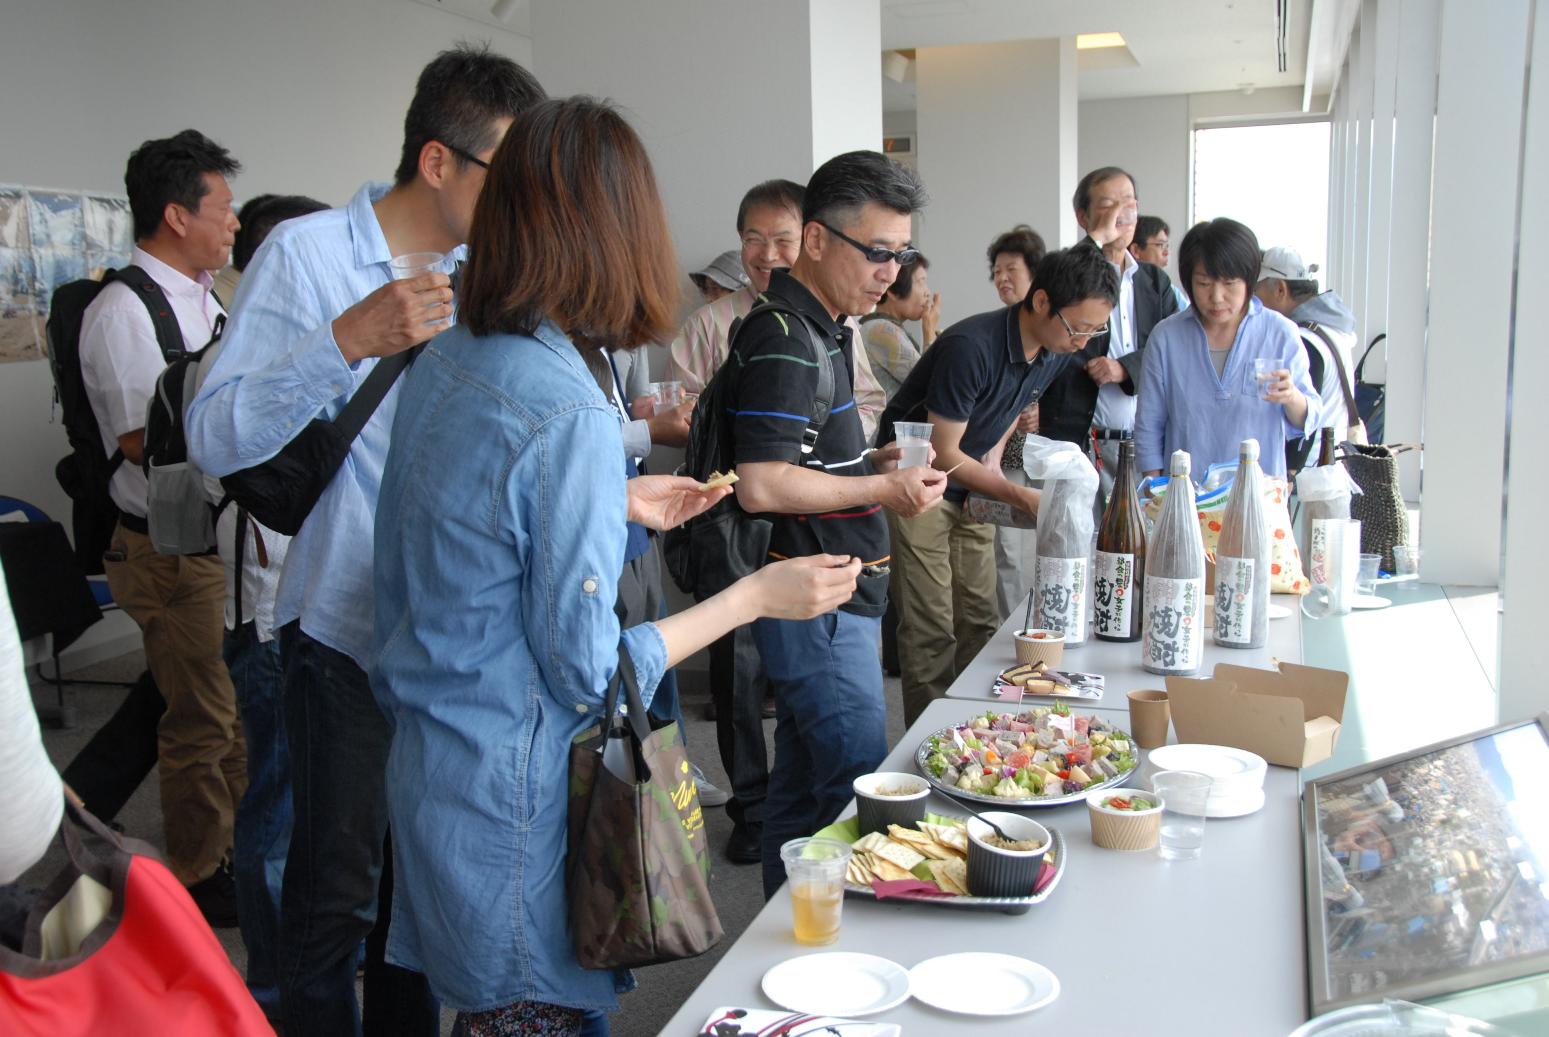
<point>1301,289</point>
<point>903,284</point>
<point>459,94</point>
<point>1148,227</point>
<point>1083,196</point>
<point>1071,275</point>
<point>774,194</point>
<point>1223,248</point>
<point>845,183</point>
<point>1021,240</point>
<point>262,214</point>
<point>570,226</point>
<point>170,171</point>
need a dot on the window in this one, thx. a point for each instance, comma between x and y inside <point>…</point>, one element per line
<point>1273,178</point>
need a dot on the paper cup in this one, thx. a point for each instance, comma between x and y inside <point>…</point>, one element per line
<point>1045,646</point>
<point>1149,714</point>
<point>1126,830</point>
<point>876,811</point>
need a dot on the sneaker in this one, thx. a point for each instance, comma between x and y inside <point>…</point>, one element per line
<point>216,897</point>
<point>709,795</point>
<point>746,845</point>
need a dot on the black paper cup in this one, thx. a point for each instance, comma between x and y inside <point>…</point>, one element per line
<point>994,872</point>
<point>877,811</point>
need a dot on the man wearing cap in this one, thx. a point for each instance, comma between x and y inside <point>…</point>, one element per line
<point>721,277</point>
<point>1325,323</point>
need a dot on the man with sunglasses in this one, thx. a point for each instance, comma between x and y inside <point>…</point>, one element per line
<point>1093,404</point>
<point>971,386</point>
<point>824,493</point>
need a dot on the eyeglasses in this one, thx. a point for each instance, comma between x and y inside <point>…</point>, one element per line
<point>1073,333</point>
<point>875,253</point>
<point>465,156</point>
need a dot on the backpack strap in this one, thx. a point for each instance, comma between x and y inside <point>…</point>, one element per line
<point>1339,365</point>
<point>1361,367</point>
<point>371,392</point>
<point>823,396</point>
<point>169,335</point>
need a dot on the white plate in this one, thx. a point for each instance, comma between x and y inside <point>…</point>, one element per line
<point>840,983</point>
<point>1369,601</point>
<point>982,983</point>
<point>1279,612</point>
<point>1236,805</point>
<point>1235,771</point>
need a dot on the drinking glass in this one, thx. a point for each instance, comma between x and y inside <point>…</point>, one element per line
<point>668,395</point>
<point>1184,797</point>
<point>913,437</point>
<point>1406,560</point>
<point>814,872</point>
<point>413,264</point>
<point>1366,576</point>
<point>1264,369</point>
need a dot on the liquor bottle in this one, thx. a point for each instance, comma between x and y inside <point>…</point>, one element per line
<point>1117,585</point>
<point>1063,562</point>
<point>1174,623</point>
<point>1242,558</point>
<point>1325,514</point>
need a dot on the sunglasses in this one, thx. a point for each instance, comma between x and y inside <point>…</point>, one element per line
<point>875,253</point>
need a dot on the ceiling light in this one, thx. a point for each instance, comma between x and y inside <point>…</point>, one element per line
<point>504,9</point>
<point>1099,40</point>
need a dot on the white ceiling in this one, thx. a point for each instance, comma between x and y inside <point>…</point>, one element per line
<point>1179,46</point>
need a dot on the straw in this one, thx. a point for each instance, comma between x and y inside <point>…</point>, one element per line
<point>1027,621</point>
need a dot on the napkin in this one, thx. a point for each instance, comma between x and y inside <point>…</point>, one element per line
<point>757,1022</point>
<point>885,888</point>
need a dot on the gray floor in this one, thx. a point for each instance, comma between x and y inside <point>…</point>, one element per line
<point>737,889</point>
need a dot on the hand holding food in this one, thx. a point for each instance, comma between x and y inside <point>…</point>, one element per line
<point>663,501</point>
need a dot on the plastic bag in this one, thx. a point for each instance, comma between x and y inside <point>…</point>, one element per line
<point>1285,558</point>
<point>1065,525</point>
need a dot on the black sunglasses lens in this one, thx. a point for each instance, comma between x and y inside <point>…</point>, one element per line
<point>908,257</point>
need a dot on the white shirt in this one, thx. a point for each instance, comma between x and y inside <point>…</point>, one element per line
<point>1115,407</point>
<point>120,359</point>
<point>33,800</point>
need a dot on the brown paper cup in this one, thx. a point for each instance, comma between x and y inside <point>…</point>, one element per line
<point>1149,714</point>
<point>1047,650</point>
<point>1124,830</point>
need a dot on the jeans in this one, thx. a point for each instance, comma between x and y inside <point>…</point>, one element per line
<point>830,722</point>
<point>338,879</point>
<point>738,686</point>
<point>264,813</point>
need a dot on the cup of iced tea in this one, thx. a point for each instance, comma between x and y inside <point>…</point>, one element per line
<point>814,873</point>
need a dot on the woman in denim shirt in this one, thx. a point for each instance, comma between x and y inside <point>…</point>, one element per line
<point>500,542</point>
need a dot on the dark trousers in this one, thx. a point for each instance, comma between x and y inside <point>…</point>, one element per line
<point>110,767</point>
<point>338,878</point>
<point>738,686</point>
<point>640,600</point>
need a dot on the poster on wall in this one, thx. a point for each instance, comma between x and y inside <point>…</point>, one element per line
<point>48,238</point>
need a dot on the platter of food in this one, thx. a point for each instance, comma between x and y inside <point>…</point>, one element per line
<point>1036,680</point>
<point>1041,757</point>
<point>928,864</point>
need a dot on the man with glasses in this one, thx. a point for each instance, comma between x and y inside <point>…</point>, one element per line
<point>1153,244</point>
<point>824,493</point>
<point>1093,403</point>
<point>971,386</point>
<point>319,309</point>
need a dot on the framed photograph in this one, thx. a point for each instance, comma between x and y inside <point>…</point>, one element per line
<point>1428,872</point>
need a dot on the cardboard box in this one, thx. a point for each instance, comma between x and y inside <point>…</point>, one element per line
<point>1291,717</point>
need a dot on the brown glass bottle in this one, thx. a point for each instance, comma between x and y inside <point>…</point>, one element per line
<point>1118,579</point>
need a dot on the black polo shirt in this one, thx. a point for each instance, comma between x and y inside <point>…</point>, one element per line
<point>975,372</point>
<point>770,397</point>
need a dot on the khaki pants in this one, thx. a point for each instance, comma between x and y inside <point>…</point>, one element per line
<point>944,584</point>
<point>178,601</point>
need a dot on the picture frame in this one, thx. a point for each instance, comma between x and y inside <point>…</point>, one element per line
<point>1427,873</point>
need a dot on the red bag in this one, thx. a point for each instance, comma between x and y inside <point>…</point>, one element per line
<point>128,954</point>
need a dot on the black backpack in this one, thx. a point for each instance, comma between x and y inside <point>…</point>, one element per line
<point>710,552</point>
<point>86,471</point>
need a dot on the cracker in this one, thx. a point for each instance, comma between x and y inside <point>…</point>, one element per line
<point>717,480</point>
<point>888,871</point>
<point>951,876</point>
<point>899,854</point>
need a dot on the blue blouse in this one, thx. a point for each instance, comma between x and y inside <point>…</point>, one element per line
<point>1184,405</point>
<point>500,541</point>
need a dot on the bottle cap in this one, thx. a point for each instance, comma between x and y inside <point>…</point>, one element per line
<point>1249,451</point>
<point>1180,462</point>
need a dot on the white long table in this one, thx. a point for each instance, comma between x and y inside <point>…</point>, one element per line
<point>1206,948</point>
<point>1119,663</point>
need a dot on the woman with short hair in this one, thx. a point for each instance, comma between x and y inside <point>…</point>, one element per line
<point>500,541</point>
<point>1199,388</point>
<point>889,345</point>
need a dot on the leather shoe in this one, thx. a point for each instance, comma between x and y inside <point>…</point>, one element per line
<point>216,897</point>
<point>746,845</point>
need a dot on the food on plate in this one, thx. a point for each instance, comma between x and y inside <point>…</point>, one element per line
<point>932,851</point>
<point>1018,845</point>
<point>1129,803</point>
<point>717,480</point>
<point>1042,753</point>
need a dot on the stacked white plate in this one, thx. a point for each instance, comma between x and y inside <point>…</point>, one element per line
<point>1237,775</point>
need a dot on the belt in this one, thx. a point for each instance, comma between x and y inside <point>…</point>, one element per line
<point>134,523</point>
<point>1110,434</point>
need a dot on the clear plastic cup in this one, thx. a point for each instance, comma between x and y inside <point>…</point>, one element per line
<point>1264,369</point>
<point>668,395</point>
<point>1406,560</point>
<point>414,264</point>
<point>1366,575</point>
<point>1185,795</point>
<point>814,872</point>
<point>913,438</point>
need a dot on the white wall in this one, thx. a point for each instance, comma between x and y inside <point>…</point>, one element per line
<point>846,98</point>
<point>1149,137</point>
<point>308,94</point>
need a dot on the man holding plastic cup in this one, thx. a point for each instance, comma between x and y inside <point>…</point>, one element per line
<point>970,387</point>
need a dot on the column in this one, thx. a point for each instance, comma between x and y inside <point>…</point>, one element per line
<point>1479,107</point>
<point>997,145</point>
<point>1361,83</point>
<point>1526,570</point>
<point>1373,318</point>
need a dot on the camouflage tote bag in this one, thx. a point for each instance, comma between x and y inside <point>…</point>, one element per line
<point>638,867</point>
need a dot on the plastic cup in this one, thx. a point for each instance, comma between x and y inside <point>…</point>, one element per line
<point>414,264</point>
<point>1184,797</point>
<point>668,395</point>
<point>913,437</point>
<point>1406,560</point>
<point>1149,714</point>
<point>1264,369</point>
<point>814,872</point>
<point>1366,575</point>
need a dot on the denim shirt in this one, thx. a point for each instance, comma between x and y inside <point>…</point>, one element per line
<point>500,540</point>
<point>1185,405</point>
<point>278,368</point>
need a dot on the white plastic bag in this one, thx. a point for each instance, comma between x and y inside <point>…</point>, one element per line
<point>1065,525</point>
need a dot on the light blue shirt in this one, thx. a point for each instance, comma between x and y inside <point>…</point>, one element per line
<point>1183,405</point>
<point>501,538</point>
<point>279,367</point>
